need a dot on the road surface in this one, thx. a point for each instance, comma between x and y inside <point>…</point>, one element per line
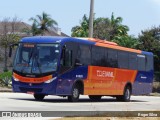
<point>26,102</point>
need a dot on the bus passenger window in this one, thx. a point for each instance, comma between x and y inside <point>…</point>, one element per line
<point>133,61</point>
<point>122,59</point>
<point>84,55</point>
<point>98,56</point>
<point>112,58</point>
<point>141,62</point>
<point>149,63</point>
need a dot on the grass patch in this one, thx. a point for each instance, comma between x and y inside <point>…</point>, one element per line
<point>5,79</point>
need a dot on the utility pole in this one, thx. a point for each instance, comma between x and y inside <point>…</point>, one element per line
<point>91,19</point>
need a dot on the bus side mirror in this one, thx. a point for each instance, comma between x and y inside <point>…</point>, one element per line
<point>10,49</point>
<point>77,63</point>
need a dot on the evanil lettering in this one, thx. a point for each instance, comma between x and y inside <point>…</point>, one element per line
<point>104,73</point>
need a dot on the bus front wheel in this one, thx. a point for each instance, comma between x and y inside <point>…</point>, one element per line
<point>74,97</point>
<point>39,97</point>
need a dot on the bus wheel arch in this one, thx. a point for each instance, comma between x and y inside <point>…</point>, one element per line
<point>80,84</point>
<point>77,89</point>
<point>126,93</point>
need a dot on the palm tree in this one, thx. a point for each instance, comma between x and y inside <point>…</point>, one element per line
<point>42,23</point>
<point>82,30</point>
<point>117,28</point>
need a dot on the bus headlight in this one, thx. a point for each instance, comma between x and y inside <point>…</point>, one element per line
<point>49,81</point>
<point>15,79</point>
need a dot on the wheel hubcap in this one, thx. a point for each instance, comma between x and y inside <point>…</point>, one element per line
<point>75,93</point>
<point>127,94</point>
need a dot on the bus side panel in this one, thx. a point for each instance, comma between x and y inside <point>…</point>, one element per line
<point>144,79</point>
<point>143,83</point>
<point>66,80</point>
<point>107,81</point>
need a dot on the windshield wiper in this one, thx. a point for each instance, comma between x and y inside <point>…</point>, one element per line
<point>38,65</point>
<point>29,59</point>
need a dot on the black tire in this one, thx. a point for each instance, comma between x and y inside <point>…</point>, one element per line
<point>95,97</point>
<point>74,97</point>
<point>39,97</point>
<point>126,95</point>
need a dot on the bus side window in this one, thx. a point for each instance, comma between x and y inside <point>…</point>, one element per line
<point>112,58</point>
<point>141,62</point>
<point>122,59</point>
<point>66,59</point>
<point>133,62</point>
<point>149,63</point>
<point>98,56</point>
<point>84,55</point>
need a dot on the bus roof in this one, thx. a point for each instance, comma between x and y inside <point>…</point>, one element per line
<point>88,41</point>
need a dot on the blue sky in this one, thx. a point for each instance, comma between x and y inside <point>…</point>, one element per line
<point>137,14</point>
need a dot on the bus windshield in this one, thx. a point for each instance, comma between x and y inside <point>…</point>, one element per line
<point>36,58</point>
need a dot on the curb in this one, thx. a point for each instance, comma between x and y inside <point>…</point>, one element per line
<point>5,89</point>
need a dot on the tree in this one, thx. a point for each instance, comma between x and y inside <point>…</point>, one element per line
<point>42,23</point>
<point>126,41</point>
<point>150,41</point>
<point>110,29</point>
<point>8,36</point>
<point>104,28</point>
<point>83,29</point>
<point>118,29</point>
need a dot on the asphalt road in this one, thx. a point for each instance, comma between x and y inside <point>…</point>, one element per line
<point>26,102</point>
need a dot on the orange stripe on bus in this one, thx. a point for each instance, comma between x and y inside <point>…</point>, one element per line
<point>101,41</point>
<point>118,47</point>
<point>109,44</point>
<point>32,80</point>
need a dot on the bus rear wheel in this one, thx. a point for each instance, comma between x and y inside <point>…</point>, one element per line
<point>74,97</point>
<point>95,97</point>
<point>126,95</point>
<point>39,97</point>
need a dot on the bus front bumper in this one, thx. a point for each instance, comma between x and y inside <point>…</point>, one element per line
<point>40,88</point>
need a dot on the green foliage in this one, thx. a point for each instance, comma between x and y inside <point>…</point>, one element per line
<point>83,29</point>
<point>150,41</point>
<point>118,29</point>
<point>7,37</point>
<point>126,41</point>
<point>41,23</point>
<point>104,28</point>
<point>5,79</point>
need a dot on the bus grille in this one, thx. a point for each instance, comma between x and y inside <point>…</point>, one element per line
<point>30,89</point>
